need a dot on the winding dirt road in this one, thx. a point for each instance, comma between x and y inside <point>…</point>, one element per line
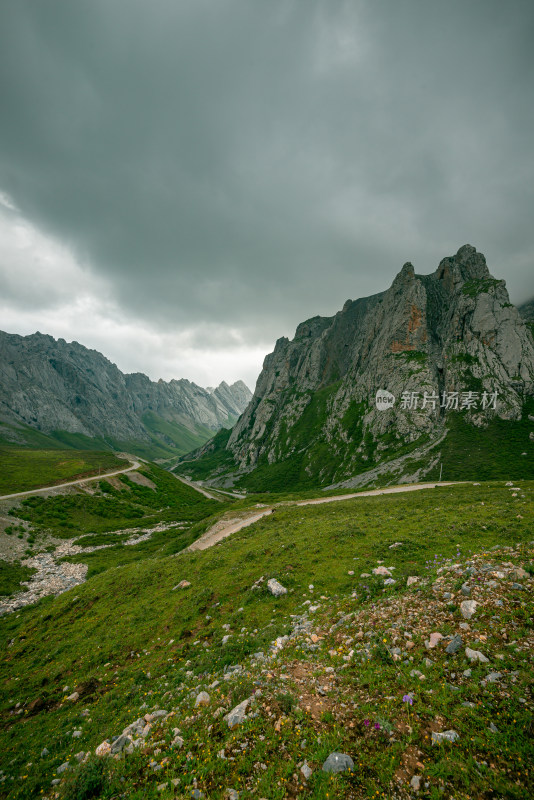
<point>133,465</point>
<point>220,531</point>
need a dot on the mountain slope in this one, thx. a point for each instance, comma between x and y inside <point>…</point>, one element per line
<point>54,386</point>
<point>313,419</point>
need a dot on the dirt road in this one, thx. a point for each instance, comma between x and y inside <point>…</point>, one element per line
<point>220,530</point>
<point>133,465</point>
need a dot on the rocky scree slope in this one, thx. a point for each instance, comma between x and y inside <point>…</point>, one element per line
<point>59,386</point>
<point>313,417</point>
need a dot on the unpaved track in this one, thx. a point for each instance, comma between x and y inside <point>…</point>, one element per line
<point>196,487</point>
<point>216,534</point>
<point>133,465</point>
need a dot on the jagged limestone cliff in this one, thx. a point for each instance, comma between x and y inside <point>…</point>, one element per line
<point>55,386</point>
<point>313,418</point>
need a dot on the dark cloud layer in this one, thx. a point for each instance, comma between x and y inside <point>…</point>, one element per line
<point>253,163</point>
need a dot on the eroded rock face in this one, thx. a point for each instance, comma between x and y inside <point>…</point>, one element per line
<point>52,385</point>
<point>452,331</point>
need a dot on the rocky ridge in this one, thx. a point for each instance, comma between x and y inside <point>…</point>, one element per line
<point>53,385</point>
<point>451,334</point>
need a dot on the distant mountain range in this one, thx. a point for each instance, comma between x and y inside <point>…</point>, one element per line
<point>77,397</point>
<point>436,374</point>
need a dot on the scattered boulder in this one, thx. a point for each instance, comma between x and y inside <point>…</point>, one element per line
<point>476,655</point>
<point>103,749</point>
<point>62,767</point>
<point>182,585</point>
<point>306,771</point>
<point>468,608</point>
<point>411,580</point>
<point>73,697</point>
<point>276,588</point>
<point>382,571</point>
<point>446,736</point>
<point>435,638</point>
<point>203,699</point>
<point>454,645</point>
<point>237,715</point>
<point>338,762</point>
<point>120,743</point>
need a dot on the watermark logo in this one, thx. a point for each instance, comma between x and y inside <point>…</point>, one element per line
<point>384,400</point>
<point>450,401</point>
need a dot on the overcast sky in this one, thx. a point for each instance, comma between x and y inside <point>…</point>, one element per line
<point>184,181</point>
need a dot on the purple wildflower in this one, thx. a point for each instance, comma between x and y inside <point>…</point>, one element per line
<point>366,723</point>
<point>377,726</point>
<point>407,699</point>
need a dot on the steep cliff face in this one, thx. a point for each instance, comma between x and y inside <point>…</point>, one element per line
<point>436,343</point>
<point>58,386</point>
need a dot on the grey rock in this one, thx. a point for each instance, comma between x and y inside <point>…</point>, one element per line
<point>454,645</point>
<point>306,771</point>
<point>120,743</point>
<point>476,655</point>
<point>493,677</point>
<point>468,608</point>
<point>237,715</point>
<point>445,736</point>
<point>415,782</point>
<point>355,347</point>
<point>276,588</point>
<point>466,589</point>
<point>493,728</point>
<point>338,762</point>
<point>44,752</point>
<point>62,767</point>
<point>56,385</point>
<point>202,699</point>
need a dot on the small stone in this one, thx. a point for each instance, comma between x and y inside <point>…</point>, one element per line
<point>73,697</point>
<point>62,767</point>
<point>415,783</point>
<point>435,638</point>
<point>276,588</point>
<point>231,794</point>
<point>520,573</point>
<point>493,728</point>
<point>306,771</point>
<point>44,752</point>
<point>225,638</point>
<point>411,580</point>
<point>466,590</point>
<point>237,715</point>
<point>120,743</point>
<point>493,677</point>
<point>203,699</point>
<point>182,585</point>
<point>103,749</point>
<point>338,762</point>
<point>476,655</point>
<point>350,572</point>
<point>382,571</point>
<point>467,673</point>
<point>447,595</point>
<point>468,608</point>
<point>446,736</point>
<point>196,794</point>
<point>76,734</point>
<point>454,645</point>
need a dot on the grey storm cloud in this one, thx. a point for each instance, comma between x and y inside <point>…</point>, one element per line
<point>253,163</point>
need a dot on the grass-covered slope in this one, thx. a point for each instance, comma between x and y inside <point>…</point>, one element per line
<point>22,469</point>
<point>98,517</point>
<point>308,459</point>
<point>130,642</point>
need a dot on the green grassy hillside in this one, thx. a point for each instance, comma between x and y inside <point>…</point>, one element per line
<point>22,469</point>
<point>130,642</point>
